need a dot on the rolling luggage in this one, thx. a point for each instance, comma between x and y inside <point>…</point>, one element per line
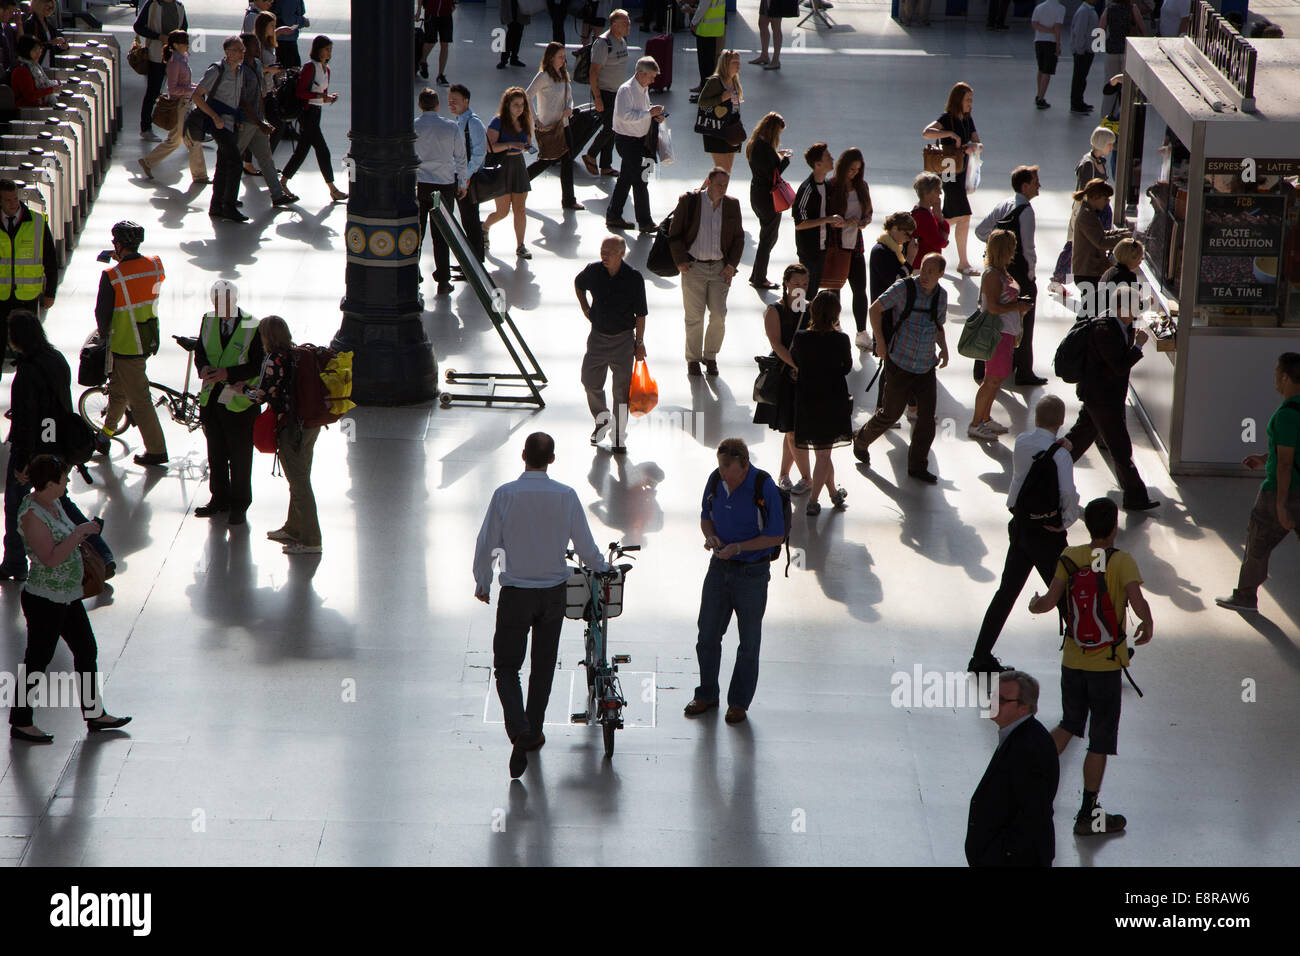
<point>661,48</point>
<point>583,125</point>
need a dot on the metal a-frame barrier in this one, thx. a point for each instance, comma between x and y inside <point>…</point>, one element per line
<point>493,300</point>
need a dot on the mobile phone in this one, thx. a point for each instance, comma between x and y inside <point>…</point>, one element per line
<point>105,256</point>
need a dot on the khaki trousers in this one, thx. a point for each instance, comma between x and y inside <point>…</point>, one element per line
<point>295,458</point>
<point>703,285</point>
<point>128,387</point>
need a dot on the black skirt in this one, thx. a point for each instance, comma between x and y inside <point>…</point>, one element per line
<point>714,144</point>
<point>955,202</point>
<point>514,173</point>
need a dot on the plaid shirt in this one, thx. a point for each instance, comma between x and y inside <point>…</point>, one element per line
<point>915,339</point>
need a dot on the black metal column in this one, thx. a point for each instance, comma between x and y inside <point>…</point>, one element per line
<point>393,362</point>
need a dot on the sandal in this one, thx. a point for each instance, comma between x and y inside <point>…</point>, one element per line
<point>759,61</point>
<point>968,271</point>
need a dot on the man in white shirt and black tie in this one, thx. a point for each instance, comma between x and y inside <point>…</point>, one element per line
<point>633,115</point>
<point>1037,535</point>
<point>529,524</point>
<point>440,147</point>
<point>29,263</point>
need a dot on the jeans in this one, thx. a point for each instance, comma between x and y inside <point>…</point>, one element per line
<point>739,587</point>
<point>1263,534</point>
<point>558,9</point>
<point>630,179</point>
<point>514,37</point>
<point>441,251</point>
<point>1029,548</point>
<point>902,386</point>
<point>1107,418</point>
<point>998,13</point>
<point>286,52</point>
<point>520,610</point>
<point>1079,80</point>
<point>152,87</point>
<point>47,621</point>
<point>230,454</point>
<point>813,263</point>
<point>1024,354</point>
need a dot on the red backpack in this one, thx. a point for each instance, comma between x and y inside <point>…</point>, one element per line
<point>1090,617</point>
<point>311,400</point>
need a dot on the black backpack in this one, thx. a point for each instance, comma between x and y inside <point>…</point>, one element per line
<point>909,306</point>
<point>787,510</point>
<point>1019,265</point>
<point>287,104</point>
<point>1072,354</point>
<point>582,60</point>
<point>660,258</point>
<point>1039,500</point>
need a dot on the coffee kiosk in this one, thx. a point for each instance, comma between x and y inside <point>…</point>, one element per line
<point>1206,176</point>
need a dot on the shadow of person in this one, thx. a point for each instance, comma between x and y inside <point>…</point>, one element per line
<point>121,502</point>
<point>174,204</point>
<point>309,228</point>
<point>627,494</point>
<point>726,819</point>
<point>483,442</point>
<point>843,569</point>
<point>719,415</point>
<point>1161,577</point>
<point>224,592</point>
<point>559,237</point>
<point>297,625</point>
<point>524,835</point>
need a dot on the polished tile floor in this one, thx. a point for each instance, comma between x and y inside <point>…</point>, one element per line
<point>338,710</point>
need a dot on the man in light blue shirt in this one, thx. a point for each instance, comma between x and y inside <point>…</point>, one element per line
<point>475,134</point>
<point>529,524</point>
<point>440,147</point>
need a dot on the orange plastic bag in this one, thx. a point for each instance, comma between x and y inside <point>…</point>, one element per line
<point>644,393</point>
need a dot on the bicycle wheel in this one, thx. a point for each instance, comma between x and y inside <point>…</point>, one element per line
<point>92,405</point>
<point>610,726</point>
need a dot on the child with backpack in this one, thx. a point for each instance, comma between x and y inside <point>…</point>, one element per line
<point>1100,582</point>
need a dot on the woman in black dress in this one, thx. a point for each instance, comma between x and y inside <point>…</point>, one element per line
<point>957,124</point>
<point>721,95</point>
<point>823,410</point>
<point>766,161</point>
<point>781,321</point>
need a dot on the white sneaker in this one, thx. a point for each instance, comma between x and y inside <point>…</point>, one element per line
<point>784,484</point>
<point>996,428</point>
<point>801,487</point>
<point>297,547</point>
<point>863,340</point>
<point>980,433</point>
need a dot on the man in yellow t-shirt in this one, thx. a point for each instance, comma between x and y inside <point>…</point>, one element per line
<point>1091,679</point>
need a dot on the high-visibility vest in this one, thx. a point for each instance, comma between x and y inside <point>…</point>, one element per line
<point>714,23</point>
<point>234,352</point>
<point>22,269</point>
<point>135,301</point>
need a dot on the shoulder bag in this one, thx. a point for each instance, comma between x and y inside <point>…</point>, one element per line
<point>767,386</point>
<point>93,571</point>
<point>782,193</point>
<point>166,112</point>
<point>138,57</point>
<point>980,335</point>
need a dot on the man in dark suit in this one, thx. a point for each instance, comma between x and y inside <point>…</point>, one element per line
<point>1114,347</point>
<point>1010,822</point>
<point>706,240</point>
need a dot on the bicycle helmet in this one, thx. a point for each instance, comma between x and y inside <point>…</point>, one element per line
<point>128,233</point>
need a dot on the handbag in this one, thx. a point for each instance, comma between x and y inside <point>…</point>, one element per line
<point>91,369</point>
<point>835,266</point>
<point>93,571</point>
<point>552,142</point>
<point>138,57</point>
<point>660,258</point>
<point>980,335</point>
<point>166,112</point>
<point>198,126</point>
<point>727,127</point>
<point>934,156</point>
<point>767,386</point>
<point>264,437</point>
<point>643,394</point>
<point>486,184</point>
<point>782,193</point>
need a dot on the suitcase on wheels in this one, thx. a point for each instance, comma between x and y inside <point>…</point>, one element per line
<point>661,48</point>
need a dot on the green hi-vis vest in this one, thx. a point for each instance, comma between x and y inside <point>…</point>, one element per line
<point>135,283</point>
<point>714,23</point>
<point>234,353</point>
<point>22,272</point>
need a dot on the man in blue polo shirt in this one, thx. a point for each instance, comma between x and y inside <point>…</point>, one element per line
<point>741,537</point>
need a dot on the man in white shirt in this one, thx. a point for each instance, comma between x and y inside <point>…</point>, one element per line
<point>440,147</point>
<point>1047,19</point>
<point>1175,17</point>
<point>1037,530</point>
<point>633,115</point>
<point>529,524</point>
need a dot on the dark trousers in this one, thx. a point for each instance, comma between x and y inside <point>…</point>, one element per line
<point>602,147</point>
<point>902,386</point>
<point>654,14</point>
<point>1087,289</point>
<point>706,55</point>
<point>310,137</point>
<point>630,179</point>
<point>769,225</point>
<point>1107,418</point>
<point>7,307</point>
<point>230,454</point>
<point>514,36</point>
<point>153,85</point>
<point>813,261</point>
<point>1029,547</point>
<point>226,177</point>
<point>1263,534</point>
<point>857,282</point>
<point>731,587</point>
<point>286,52</point>
<point>1079,80</point>
<point>47,621</point>
<point>1023,357</point>
<point>998,13</point>
<point>520,610</point>
<point>558,9</point>
<point>565,163</point>
<point>441,251</point>
<point>887,329</point>
<point>472,224</point>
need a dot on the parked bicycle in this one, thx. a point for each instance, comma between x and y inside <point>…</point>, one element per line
<point>595,597</point>
<point>183,405</point>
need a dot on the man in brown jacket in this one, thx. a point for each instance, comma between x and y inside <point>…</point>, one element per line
<point>706,240</point>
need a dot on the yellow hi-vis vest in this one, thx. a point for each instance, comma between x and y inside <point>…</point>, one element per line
<point>22,271</point>
<point>714,23</point>
<point>234,352</point>
<point>135,302</point>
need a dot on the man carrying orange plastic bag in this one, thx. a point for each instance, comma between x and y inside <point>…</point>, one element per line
<point>616,310</point>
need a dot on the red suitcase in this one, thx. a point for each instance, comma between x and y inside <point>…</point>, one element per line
<point>661,48</point>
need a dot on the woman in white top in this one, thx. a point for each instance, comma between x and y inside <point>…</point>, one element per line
<point>551,97</point>
<point>313,89</point>
<point>847,195</point>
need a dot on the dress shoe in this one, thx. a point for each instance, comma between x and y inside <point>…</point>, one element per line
<point>1141,505</point>
<point>693,368</point>
<point>710,366</point>
<point>615,225</point>
<point>1236,601</point>
<point>14,571</point>
<point>41,738</point>
<point>1031,380</point>
<point>619,450</point>
<point>237,517</point>
<point>609,171</point>
<point>924,475</point>
<point>106,723</point>
<point>532,741</point>
<point>590,163</point>
<point>151,460</point>
<point>515,61</point>
<point>987,665</point>
<point>502,66</point>
<point>210,510</point>
<point>734,715</point>
<point>697,707</point>
<point>229,215</point>
<point>647,228</point>
<point>1110,823</point>
<point>862,454</point>
<point>284,199</point>
<point>110,570</point>
<point>762,283</point>
<point>518,756</point>
<point>445,288</point>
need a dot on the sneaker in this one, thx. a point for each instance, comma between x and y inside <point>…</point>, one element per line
<point>150,135</point>
<point>1233,602</point>
<point>837,498</point>
<point>442,80</point>
<point>523,253</point>
<point>599,432</point>
<point>980,433</point>
<point>1108,823</point>
<point>784,484</point>
<point>814,509</point>
<point>424,71</point>
<point>1042,104</point>
<point>297,547</point>
<point>996,427</point>
<point>279,534</point>
<point>863,339</point>
<point>801,487</point>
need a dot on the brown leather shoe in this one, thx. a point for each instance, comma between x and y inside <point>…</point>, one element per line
<point>735,715</point>
<point>697,707</point>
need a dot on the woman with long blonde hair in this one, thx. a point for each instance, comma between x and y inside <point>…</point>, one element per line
<point>766,162</point>
<point>721,94</point>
